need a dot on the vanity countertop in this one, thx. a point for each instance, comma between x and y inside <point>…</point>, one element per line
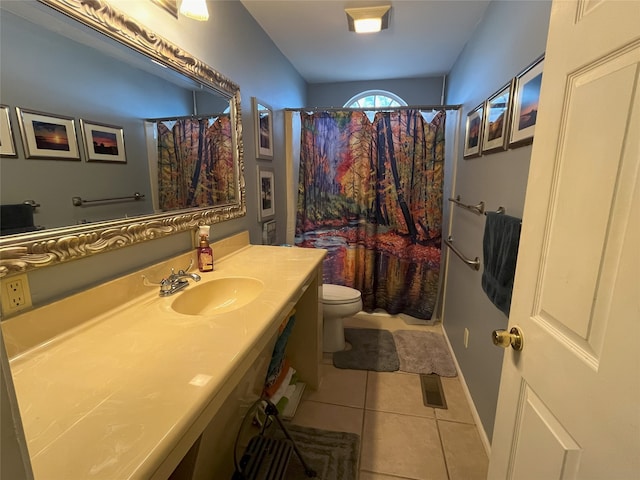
<point>111,397</point>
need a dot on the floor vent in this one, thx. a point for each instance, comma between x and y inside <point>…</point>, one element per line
<point>432,393</point>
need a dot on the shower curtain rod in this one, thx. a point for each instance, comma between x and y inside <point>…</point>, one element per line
<point>408,107</point>
<point>183,117</point>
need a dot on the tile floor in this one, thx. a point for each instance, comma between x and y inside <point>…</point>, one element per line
<point>400,437</point>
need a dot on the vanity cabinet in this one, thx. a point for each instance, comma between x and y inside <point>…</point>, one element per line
<point>122,386</point>
<point>211,456</point>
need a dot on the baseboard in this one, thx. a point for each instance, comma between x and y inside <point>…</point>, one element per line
<point>474,412</point>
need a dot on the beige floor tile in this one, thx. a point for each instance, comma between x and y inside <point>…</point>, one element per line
<point>329,417</point>
<point>396,392</point>
<point>457,405</point>
<point>463,450</point>
<point>402,445</point>
<point>340,387</point>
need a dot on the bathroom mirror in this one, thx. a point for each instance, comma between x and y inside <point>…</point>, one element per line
<point>193,86</point>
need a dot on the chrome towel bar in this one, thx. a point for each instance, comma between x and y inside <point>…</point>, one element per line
<point>78,202</point>
<point>477,209</point>
<point>473,264</point>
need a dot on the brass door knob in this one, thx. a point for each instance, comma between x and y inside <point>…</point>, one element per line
<point>504,339</point>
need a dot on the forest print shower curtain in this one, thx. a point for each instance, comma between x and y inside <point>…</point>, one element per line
<point>195,162</point>
<point>371,194</point>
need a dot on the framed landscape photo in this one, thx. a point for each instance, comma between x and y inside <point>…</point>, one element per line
<point>525,104</point>
<point>103,143</point>
<point>7,145</point>
<point>473,133</point>
<point>263,122</point>
<point>266,189</point>
<point>48,136</point>
<point>497,115</point>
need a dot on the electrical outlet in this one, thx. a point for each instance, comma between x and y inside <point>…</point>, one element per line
<point>15,292</point>
<point>466,337</point>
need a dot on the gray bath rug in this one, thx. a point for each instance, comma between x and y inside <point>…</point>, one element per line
<point>333,455</point>
<point>371,349</point>
<point>424,352</point>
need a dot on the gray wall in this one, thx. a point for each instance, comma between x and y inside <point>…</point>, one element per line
<point>234,44</point>
<point>510,36</point>
<point>97,88</point>
<point>414,91</point>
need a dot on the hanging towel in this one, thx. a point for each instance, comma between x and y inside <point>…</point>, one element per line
<point>16,218</point>
<point>500,250</point>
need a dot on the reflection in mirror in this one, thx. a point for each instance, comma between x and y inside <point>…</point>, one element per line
<point>133,198</point>
<point>194,162</point>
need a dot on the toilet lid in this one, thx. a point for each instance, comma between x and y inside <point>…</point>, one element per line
<point>337,294</point>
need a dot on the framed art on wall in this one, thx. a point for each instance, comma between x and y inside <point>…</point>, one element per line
<point>7,145</point>
<point>525,104</point>
<point>495,131</point>
<point>473,132</point>
<point>263,123</point>
<point>266,189</point>
<point>48,136</point>
<point>103,143</point>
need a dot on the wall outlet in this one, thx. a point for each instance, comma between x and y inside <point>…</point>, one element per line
<point>466,337</point>
<point>15,292</point>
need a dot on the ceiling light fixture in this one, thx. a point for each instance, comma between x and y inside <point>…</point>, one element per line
<point>196,9</point>
<point>368,19</point>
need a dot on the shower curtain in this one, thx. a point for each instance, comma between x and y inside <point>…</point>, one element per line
<point>370,192</point>
<point>195,162</point>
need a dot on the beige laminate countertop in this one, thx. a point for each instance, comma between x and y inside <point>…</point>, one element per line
<point>110,398</point>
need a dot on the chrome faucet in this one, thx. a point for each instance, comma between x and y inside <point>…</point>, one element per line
<point>176,282</point>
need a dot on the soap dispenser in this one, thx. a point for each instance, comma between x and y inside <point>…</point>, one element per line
<point>205,252</point>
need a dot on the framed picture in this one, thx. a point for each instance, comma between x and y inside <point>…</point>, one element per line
<point>263,123</point>
<point>7,145</point>
<point>269,233</point>
<point>473,133</point>
<point>103,143</point>
<point>266,189</point>
<point>525,104</point>
<point>497,114</point>
<point>48,136</point>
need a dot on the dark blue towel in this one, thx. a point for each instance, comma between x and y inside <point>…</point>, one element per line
<point>500,250</point>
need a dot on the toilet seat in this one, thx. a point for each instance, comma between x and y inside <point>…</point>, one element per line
<point>339,295</point>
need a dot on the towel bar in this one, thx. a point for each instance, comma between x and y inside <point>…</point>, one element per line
<point>78,201</point>
<point>473,264</point>
<point>477,209</point>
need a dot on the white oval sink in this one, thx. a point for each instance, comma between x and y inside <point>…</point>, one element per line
<point>217,296</point>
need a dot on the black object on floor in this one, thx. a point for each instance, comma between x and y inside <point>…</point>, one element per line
<point>268,458</point>
<point>265,459</point>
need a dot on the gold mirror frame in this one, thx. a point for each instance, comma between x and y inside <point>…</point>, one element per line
<point>24,252</point>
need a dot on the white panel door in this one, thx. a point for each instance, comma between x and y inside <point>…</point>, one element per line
<point>569,402</point>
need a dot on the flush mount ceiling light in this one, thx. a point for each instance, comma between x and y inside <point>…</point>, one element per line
<point>196,9</point>
<point>368,19</point>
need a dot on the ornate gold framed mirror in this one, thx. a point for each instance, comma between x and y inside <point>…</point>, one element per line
<point>25,251</point>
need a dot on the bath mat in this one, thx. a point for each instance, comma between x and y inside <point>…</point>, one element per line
<point>371,349</point>
<point>424,352</point>
<point>333,455</point>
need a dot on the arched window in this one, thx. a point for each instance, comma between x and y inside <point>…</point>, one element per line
<point>375,99</point>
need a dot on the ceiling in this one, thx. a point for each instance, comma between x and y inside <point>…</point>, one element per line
<point>424,37</point>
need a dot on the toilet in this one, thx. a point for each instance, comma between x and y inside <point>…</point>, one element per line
<point>338,302</point>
